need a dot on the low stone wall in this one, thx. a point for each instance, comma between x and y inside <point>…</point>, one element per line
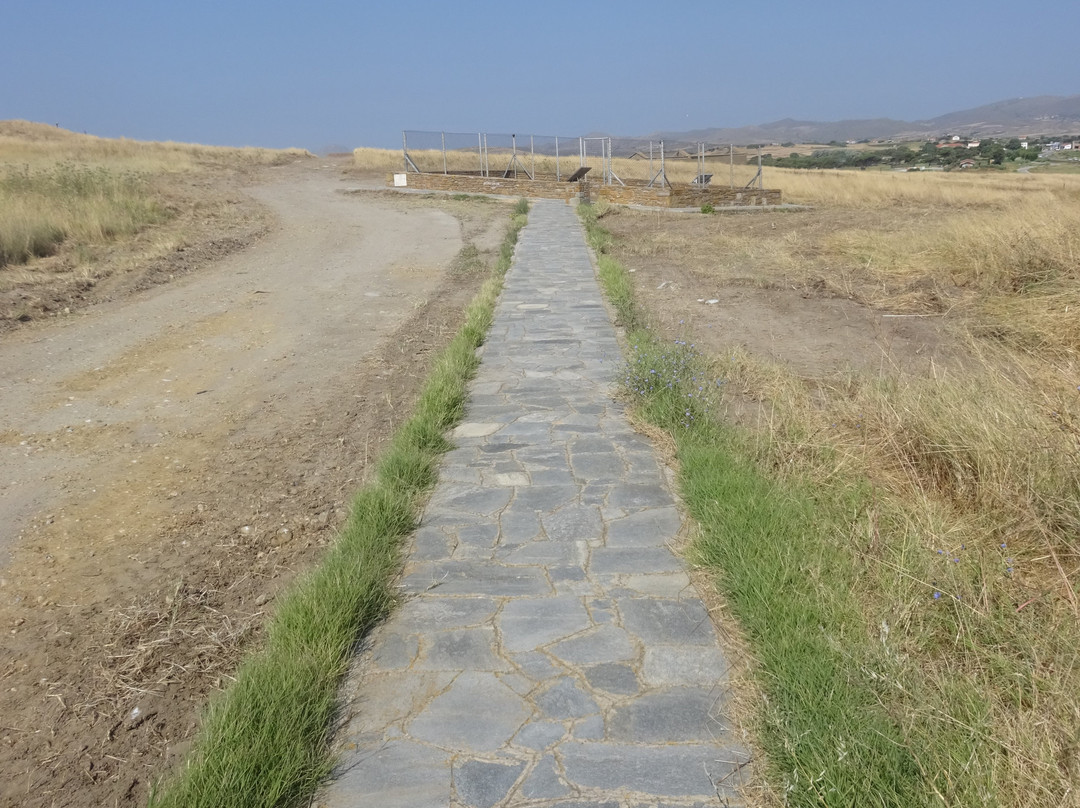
<point>684,196</point>
<point>474,184</point>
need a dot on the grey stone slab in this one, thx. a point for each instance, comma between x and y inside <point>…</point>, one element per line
<point>650,528</point>
<point>461,474</point>
<point>524,432</point>
<point>552,476</point>
<point>478,713</point>
<point>519,683</point>
<point>389,698</point>
<point>461,649</point>
<point>668,665</point>
<point>606,643</point>
<point>544,552</point>
<point>431,544</point>
<point>664,622</point>
<point>613,677</point>
<point>542,455</point>
<point>526,624</point>
<point>568,429</point>
<point>475,429</point>
<point>665,771</point>
<point>598,468</point>
<point>536,665</point>
<point>518,524</point>
<point>540,734</point>
<point>602,610</point>
<point>508,465</point>
<point>471,577</point>
<point>630,560</point>
<point>543,782</point>
<point>546,498</point>
<point>592,444</point>
<point>573,522</point>
<point>570,572</point>
<point>482,533</point>
<point>595,494</point>
<point>566,698</point>
<point>499,447</point>
<point>394,651</point>
<point>460,456</point>
<point>590,728</point>
<point>398,775</point>
<point>482,501</point>
<point>509,479</point>
<point>677,715</point>
<point>577,419</point>
<point>636,497</point>
<point>536,418</point>
<point>482,783</point>
<point>660,585</point>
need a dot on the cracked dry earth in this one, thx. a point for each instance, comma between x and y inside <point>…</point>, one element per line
<point>551,650</point>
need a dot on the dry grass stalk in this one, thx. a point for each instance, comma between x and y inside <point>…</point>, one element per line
<point>139,652</point>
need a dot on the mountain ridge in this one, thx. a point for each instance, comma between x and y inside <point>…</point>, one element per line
<point>1014,117</point>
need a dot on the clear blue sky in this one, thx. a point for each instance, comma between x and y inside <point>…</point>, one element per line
<point>354,73</point>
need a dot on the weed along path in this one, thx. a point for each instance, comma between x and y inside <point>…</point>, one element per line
<point>551,650</point>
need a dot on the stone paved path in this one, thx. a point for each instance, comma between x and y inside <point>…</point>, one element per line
<point>552,651</point>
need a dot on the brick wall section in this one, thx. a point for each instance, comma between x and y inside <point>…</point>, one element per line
<point>683,196</point>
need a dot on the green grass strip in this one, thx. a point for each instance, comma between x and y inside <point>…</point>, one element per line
<point>773,547</point>
<point>264,741</point>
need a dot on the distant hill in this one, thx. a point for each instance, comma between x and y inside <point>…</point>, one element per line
<point>1039,115</point>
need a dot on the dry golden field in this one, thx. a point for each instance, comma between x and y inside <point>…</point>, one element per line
<point>916,336</point>
<point>78,213</point>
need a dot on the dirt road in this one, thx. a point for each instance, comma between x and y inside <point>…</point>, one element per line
<point>168,461</point>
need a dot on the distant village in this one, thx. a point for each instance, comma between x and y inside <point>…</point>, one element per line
<point>949,152</point>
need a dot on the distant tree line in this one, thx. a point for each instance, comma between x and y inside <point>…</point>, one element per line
<point>991,152</point>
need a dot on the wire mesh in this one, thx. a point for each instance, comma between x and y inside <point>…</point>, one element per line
<point>611,160</point>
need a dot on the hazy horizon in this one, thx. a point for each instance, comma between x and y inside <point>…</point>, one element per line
<point>338,74</point>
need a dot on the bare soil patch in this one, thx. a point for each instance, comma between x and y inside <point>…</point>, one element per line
<point>173,455</point>
<point>721,281</point>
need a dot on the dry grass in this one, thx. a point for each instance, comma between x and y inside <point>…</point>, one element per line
<point>139,645</point>
<point>36,145</point>
<point>40,209</point>
<point>968,550</point>
<point>69,195</point>
<point>966,544</point>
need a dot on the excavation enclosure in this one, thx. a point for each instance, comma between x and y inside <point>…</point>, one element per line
<point>589,169</point>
